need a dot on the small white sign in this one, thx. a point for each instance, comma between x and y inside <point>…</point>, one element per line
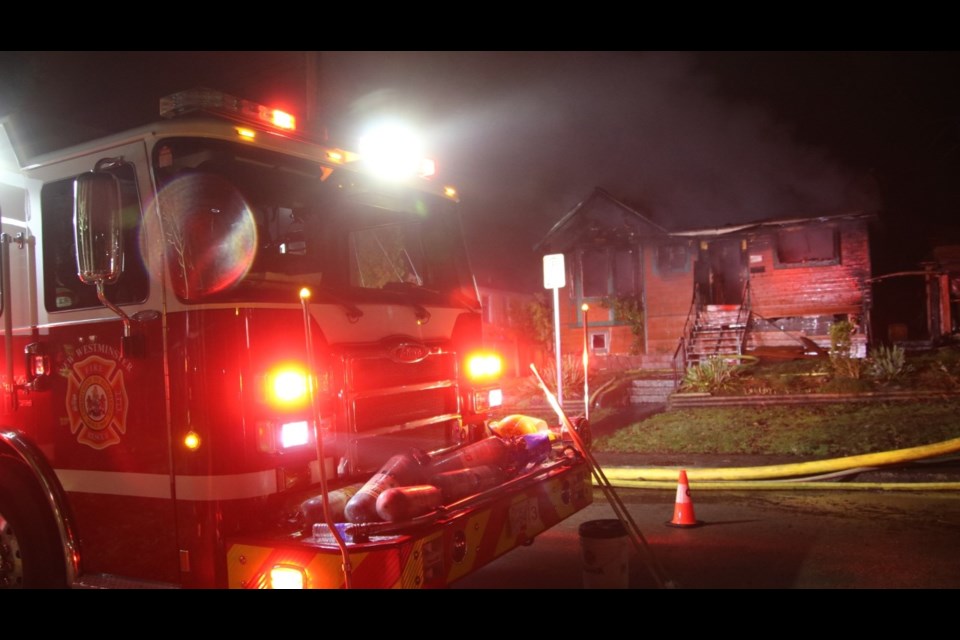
<point>554,273</point>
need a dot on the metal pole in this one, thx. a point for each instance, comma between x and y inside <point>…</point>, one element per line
<point>586,364</point>
<point>556,334</point>
<point>346,566</point>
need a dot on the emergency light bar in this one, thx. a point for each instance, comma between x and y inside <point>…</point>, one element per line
<point>389,150</point>
<point>221,103</point>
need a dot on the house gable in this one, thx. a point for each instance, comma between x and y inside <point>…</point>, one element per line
<point>600,220</point>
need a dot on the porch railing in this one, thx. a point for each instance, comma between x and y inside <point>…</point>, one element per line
<point>680,353</point>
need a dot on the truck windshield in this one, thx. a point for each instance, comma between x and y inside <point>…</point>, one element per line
<point>240,223</point>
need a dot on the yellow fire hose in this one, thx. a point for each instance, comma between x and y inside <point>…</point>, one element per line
<point>761,485</point>
<point>772,477</point>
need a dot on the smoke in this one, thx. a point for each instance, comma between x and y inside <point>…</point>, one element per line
<point>526,136</point>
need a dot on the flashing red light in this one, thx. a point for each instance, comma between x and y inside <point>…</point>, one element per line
<point>484,366</point>
<point>283,120</point>
<point>223,103</point>
<point>287,387</point>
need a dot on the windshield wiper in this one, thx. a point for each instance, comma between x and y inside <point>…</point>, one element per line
<point>353,312</point>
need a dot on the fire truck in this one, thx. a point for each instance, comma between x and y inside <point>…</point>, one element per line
<point>214,320</point>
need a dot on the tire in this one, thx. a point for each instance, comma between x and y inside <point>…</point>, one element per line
<point>31,556</point>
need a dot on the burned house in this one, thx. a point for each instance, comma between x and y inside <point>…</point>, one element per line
<point>773,286</point>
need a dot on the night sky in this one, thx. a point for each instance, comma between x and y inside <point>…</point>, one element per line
<point>692,139</point>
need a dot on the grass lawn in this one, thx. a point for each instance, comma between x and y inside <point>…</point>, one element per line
<point>815,430</point>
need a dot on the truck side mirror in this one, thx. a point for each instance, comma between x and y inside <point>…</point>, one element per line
<point>97,227</point>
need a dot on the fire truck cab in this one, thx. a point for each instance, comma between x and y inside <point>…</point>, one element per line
<point>210,320</point>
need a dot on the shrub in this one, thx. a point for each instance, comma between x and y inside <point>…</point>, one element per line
<point>533,320</point>
<point>713,375</point>
<point>846,385</point>
<point>888,363</point>
<point>628,310</point>
<point>571,374</point>
<point>842,362</point>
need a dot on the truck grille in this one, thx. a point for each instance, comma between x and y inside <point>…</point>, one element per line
<point>404,408</point>
<point>381,373</point>
<point>384,393</point>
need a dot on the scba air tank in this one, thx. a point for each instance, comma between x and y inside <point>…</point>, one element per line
<point>490,451</point>
<point>464,482</point>
<point>312,508</point>
<point>403,503</point>
<point>400,470</point>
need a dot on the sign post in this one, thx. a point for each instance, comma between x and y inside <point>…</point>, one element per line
<point>555,277</point>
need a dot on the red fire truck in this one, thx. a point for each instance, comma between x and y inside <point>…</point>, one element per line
<point>209,322</point>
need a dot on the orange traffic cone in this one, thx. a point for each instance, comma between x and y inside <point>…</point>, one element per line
<point>683,511</point>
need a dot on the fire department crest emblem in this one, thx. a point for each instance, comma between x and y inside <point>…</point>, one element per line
<point>97,401</point>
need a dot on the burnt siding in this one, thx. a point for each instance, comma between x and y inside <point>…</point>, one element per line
<point>775,293</point>
<point>571,336</point>
<point>667,300</point>
<point>817,290</point>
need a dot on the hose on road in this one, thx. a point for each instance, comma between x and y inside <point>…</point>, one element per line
<point>800,475</point>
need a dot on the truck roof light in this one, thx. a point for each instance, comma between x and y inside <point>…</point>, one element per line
<point>283,119</point>
<point>220,103</point>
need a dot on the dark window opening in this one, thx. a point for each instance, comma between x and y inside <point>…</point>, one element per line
<point>814,245</point>
<point>624,273</point>
<point>609,272</point>
<point>598,343</point>
<point>672,258</point>
<point>596,274</point>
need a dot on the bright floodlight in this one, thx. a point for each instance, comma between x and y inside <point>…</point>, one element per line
<point>392,151</point>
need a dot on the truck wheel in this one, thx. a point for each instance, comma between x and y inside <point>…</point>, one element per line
<point>30,556</point>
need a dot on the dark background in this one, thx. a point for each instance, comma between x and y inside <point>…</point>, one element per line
<point>692,139</point>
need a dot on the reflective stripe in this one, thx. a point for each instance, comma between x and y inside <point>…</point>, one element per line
<point>157,485</point>
<point>141,485</point>
<point>240,485</point>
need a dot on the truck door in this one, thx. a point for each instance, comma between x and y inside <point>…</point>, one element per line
<point>102,416</point>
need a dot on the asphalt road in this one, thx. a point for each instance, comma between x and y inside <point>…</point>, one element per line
<point>759,540</point>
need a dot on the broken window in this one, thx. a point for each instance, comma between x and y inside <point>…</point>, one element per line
<point>608,272</point>
<point>807,246</point>
<point>672,258</point>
